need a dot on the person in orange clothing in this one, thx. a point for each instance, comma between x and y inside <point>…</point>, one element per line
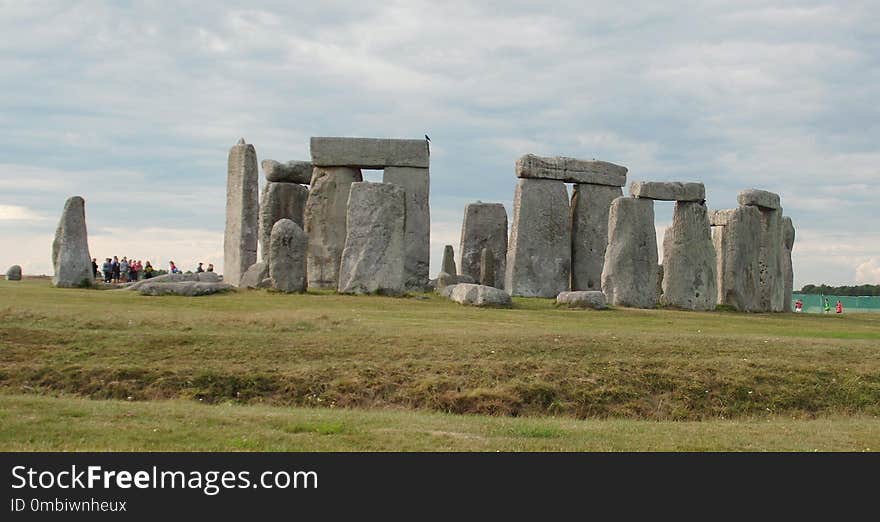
<point>839,307</point>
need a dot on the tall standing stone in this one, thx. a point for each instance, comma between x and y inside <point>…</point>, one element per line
<point>539,253</point>
<point>629,275</point>
<point>417,183</point>
<point>13,273</point>
<point>736,234</point>
<point>771,247</point>
<point>487,268</point>
<point>788,269</point>
<point>689,262</point>
<point>447,266</point>
<point>325,223</point>
<point>484,227</point>
<point>242,212</point>
<point>70,249</point>
<point>280,201</point>
<point>373,260</point>
<point>287,256</point>
<point>589,233</point>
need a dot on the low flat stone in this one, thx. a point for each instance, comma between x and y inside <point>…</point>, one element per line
<point>759,198</point>
<point>183,288</point>
<point>368,153</point>
<point>13,273</point>
<point>291,172</point>
<point>478,295</point>
<point>201,277</point>
<point>582,299</point>
<point>668,190</point>
<point>445,280</point>
<point>571,170</point>
<point>255,275</point>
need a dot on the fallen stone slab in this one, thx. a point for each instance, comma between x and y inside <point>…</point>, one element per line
<point>417,184</point>
<point>594,299</point>
<point>183,288</point>
<point>13,273</point>
<point>280,201</point>
<point>290,172</point>
<point>70,249</point>
<point>287,257</point>
<point>445,280</point>
<point>689,262</point>
<point>668,190</point>
<point>570,170</point>
<point>590,205</point>
<point>759,198</point>
<point>368,153</point>
<point>242,212</point>
<point>484,227</point>
<point>629,276</point>
<point>478,295</point>
<point>203,277</point>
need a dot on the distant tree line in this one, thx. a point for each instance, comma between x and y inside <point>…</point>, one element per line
<point>842,290</point>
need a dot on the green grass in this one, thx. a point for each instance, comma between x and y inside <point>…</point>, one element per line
<point>429,354</point>
<point>39,423</point>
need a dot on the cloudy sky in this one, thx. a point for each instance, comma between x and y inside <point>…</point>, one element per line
<point>134,106</point>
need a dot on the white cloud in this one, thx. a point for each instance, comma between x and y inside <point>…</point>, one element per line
<point>868,272</point>
<point>18,213</point>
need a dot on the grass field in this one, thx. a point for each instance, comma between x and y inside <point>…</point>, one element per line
<point>736,379</point>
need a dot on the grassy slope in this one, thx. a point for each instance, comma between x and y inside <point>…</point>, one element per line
<point>431,354</point>
<point>33,423</point>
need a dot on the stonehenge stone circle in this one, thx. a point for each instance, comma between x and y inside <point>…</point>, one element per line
<point>759,198</point>
<point>255,275</point>
<point>788,271</point>
<point>487,268</point>
<point>287,256</point>
<point>689,261</point>
<point>325,223</point>
<point>374,253</point>
<point>582,299</point>
<point>279,201</point>
<point>416,182</point>
<point>478,295</point>
<point>448,263</point>
<point>13,273</point>
<point>570,170</point>
<point>290,172</point>
<point>484,227</point>
<point>368,153</point>
<point>668,190</point>
<point>771,247</point>
<point>736,234</point>
<point>70,249</point>
<point>590,205</point>
<point>539,252</point>
<point>629,275</point>
<point>242,211</point>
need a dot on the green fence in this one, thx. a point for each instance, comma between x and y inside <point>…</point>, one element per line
<point>813,303</point>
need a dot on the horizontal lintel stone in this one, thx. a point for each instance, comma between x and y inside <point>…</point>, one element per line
<point>571,170</point>
<point>290,172</point>
<point>668,190</point>
<point>758,198</point>
<point>368,153</point>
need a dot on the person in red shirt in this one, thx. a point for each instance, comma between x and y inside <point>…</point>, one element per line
<point>839,307</point>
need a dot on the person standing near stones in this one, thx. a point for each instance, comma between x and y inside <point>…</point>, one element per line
<point>115,265</point>
<point>148,270</point>
<point>210,267</point>
<point>124,269</point>
<point>95,268</point>
<point>839,307</point>
<point>172,268</point>
<point>799,306</point>
<point>199,268</point>
<point>827,306</point>
<point>107,269</point>
<point>134,270</point>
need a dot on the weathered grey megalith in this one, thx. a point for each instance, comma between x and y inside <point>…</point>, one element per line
<point>13,273</point>
<point>287,256</point>
<point>70,249</point>
<point>368,153</point>
<point>182,288</point>
<point>689,263</point>
<point>487,268</point>
<point>290,172</point>
<point>589,233</point>
<point>629,276</point>
<point>325,223</point>
<point>582,299</point>
<point>736,234</point>
<point>539,253</point>
<point>771,247</point>
<point>478,295</point>
<point>279,201</point>
<point>668,190</point>
<point>255,275</point>
<point>242,211</point>
<point>417,184</point>
<point>484,227</point>
<point>373,259</point>
<point>787,268</point>
<point>570,170</point>
<point>447,265</point>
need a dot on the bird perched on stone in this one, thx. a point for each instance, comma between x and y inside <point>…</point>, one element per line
<point>428,143</point>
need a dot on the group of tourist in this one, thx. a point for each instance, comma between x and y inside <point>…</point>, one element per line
<point>826,306</point>
<point>125,270</point>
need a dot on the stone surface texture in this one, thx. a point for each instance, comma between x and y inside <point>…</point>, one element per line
<point>787,268</point>
<point>487,268</point>
<point>255,275</point>
<point>373,261</point>
<point>242,212</point>
<point>582,299</point>
<point>13,273</point>
<point>478,295</point>
<point>280,201</point>
<point>759,198</point>
<point>325,223</point>
<point>590,205</point>
<point>629,276</point>
<point>484,227</point>
<point>70,249</point>
<point>182,288</point>
<point>416,182</point>
<point>689,262</point>
<point>290,172</point>
<point>369,153</point>
<point>287,257</point>
<point>737,250</point>
<point>570,170</point>
<point>770,260</point>
<point>668,190</point>
<point>447,265</point>
<point>539,253</point>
